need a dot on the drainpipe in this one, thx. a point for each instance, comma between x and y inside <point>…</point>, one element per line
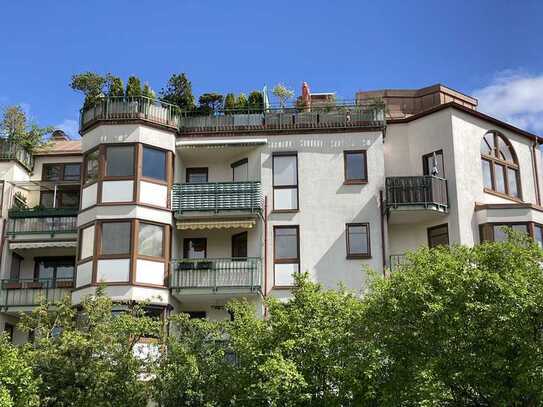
<point>383,252</point>
<point>265,260</point>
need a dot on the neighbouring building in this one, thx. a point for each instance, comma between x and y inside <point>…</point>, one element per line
<point>188,212</point>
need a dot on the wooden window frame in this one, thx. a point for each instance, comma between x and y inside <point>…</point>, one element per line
<point>135,160</point>
<point>431,229</point>
<point>296,186</point>
<point>185,246</point>
<point>426,169</point>
<point>355,181</point>
<point>238,163</point>
<point>164,231</point>
<point>84,175</point>
<point>354,256</point>
<point>37,260</point>
<point>196,169</point>
<point>287,260</point>
<point>166,159</point>
<point>62,170</point>
<point>98,241</point>
<point>494,160</point>
<point>488,229</point>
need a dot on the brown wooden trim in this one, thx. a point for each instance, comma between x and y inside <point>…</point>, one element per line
<point>353,181</point>
<point>134,237</point>
<point>486,230</point>
<point>293,186</point>
<point>84,169</point>
<point>347,241</point>
<point>432,228</point>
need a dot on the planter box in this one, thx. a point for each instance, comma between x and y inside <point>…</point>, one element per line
<point>64,284</point>
<point>13,285</point>
<point>34,284</point>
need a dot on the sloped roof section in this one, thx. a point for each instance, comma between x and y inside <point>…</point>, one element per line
<point>61,147</point>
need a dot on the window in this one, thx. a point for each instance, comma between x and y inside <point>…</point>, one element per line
<point>358,240</point>
<point>154,163</point>
<point>432,164</point>
<point>499,165</point>
<point>286,254</point>
<point>355,167</point>
<point>120,161</point>
<point>438,235</point>
<point>494,232</point>
<point>115,238</point>
<point>15,270</point>
<point>72,172</point>
<point>196,175</point>
<point>54,268</point>
<point>240,170</point>
<point>61,172</point>
<point>52,172</point>
<point>239,245</point>
<point>196,314</point>
<point>66,197</point>
<point>92,166</point>
<point>538,234</point>
<point>86,247</point>
<point>285,182</point>
<point>151,238</point>
<point>195,248</point>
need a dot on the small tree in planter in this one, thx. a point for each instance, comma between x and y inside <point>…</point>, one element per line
<point>115,87</point>
<point>241,102</point>
<point>229,102</point>
<point>282,93</point>
<point>133,87</point>
<point>256,102</point>
<point>91,84</point>
<point>15,127</point>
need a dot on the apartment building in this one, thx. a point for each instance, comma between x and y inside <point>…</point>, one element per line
<point>187,211</point>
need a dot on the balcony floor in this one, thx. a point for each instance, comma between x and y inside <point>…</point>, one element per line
<point>416,214</point>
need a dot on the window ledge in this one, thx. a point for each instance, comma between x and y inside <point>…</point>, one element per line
<point>285,211</point>
<point>355,182</point>
<point>358,256</point>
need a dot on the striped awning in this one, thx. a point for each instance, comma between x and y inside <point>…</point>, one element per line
<point>216,224</point>
<point>39,245</point>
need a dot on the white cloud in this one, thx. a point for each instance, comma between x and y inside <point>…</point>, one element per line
<point>70,127</point>
<point>516,98</point>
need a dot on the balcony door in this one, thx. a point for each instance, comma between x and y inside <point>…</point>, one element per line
<point>239,245</point>
<point>195,248</point>
<point>240,170</point>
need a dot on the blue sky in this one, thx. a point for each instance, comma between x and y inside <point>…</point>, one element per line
<point>492,48</point>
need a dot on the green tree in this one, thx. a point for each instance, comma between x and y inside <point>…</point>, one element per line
<point>91,84</point>
<point>115,86</point>
<point>178,92</point>
<point>256,101</point>
<point>133,87</point>
<point>18,386</point>
<point>282,93</point>
<point>230,101</point>
<point>15,127</point>
<point>210,102</point>
<point>89,357</point>
<point>460,327</point>
<point>241,102</point>
<point>148,92</point>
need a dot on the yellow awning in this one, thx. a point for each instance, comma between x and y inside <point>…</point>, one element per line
<point>216,224</point>
<point>39,245</point>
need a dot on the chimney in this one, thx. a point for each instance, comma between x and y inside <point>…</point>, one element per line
<point>59,135</point>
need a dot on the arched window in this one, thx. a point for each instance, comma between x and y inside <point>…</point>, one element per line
<point>500,165</point>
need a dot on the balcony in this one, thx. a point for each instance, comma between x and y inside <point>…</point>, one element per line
<point>243,275</point>
<point>396,261</point>
<point>216,199</point>
<point>416,199</point>
<point>331,115</point>
<point>42,221</point>
<point>127,109</point>
<point>27,293</point>
<point>13,151</point>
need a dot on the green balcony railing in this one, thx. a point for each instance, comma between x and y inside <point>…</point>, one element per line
<point>217,274</point>
<point>424,191</point>
<point>395,261</point>
<point>217,197</point>
<point>42,221</point>
<point>13,151</point>
<point>130,108</point>
<point>329,115</point>
<point>30,292</point>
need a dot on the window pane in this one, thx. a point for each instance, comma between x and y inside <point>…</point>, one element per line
<point>196,175</point>
<point>355,166</point>
<point>91,169</point>
<point>499,173</point>
<point>500,235</point>
<point>285,198</point>
<point>434,165</point>
<point>154,163</point>
<point>512,182</point>
<point>195,248</point>
<point>65,271</point>
<point>487,144</point>
<point>116,237</point>
<point>358,239</point>
<point>70,199</point>
<point>487,174</point>
<point>438,236</point>
<point>120,161</point>
<point>46,199</point>
<point>87,242</point>
<point>504,152</point>
<point>72,172</point>
<point>286,243</point>
<point>46,270</point>
<point>538,235</point>
<point>150,239</point>
<point>285,171</point>
<point>51,172</point>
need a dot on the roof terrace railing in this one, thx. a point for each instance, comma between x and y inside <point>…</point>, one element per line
<point>13,151</point>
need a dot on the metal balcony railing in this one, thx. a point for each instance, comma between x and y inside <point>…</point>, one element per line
<point>217,197</point>
<point>216,274</point>
<point>31,292</point>
<point>120,108</point>
<point>42,221</point>
<point>424,191</point>
<point>332,114</point>
<point>395,261</point>
<point>13,151</point>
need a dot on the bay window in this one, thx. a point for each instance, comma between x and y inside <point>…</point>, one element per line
<point>120,161</point>
<point>154,163</point>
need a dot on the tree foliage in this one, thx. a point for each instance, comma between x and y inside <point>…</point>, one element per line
<point>178,91</point>
<point>282,93</point>
<point>88,357</point>
<point>15,127</point>
<point>18,386</point>
<point>115,87</point>
<point>241,102</point>
<point>230,101</point>
<point>210,102</point>
<point>148,92</point>
<point>255,101</point>
<point>91,84</point>
<point>133,87</point>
